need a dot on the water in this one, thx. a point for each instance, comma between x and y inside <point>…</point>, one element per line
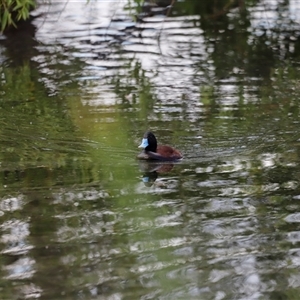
<point>81,218</point>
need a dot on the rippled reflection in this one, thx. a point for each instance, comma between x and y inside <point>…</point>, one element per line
<point>82,219</point>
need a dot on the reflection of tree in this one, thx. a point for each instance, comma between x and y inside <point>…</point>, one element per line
<point>89,239</point>
<point>134,89</point>
<point>41,155</point>
<point>240,35</point>
<point>34,129</point>
<point>251,107</point>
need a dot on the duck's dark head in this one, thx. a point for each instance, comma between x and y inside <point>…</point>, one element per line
<point>149,142</point>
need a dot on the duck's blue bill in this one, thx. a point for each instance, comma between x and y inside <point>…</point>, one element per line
<point>144,143</point>
<point>146,179</point>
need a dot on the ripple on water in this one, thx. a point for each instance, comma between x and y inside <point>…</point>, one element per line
<point>293,237</point>
<point>293,218</point>
<point>11,204</point>
<point>21,269</point>
<point>200,230</point>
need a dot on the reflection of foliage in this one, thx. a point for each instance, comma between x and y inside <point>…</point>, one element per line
<point>227,30</point>
<point>212,9</point>
<point>258,113</point>
<point>134,88</point>
<point>142,8</point>
<point>35,129</point>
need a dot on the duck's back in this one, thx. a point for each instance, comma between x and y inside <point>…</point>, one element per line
<point>168,152</point>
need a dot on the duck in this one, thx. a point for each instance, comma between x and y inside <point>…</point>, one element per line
<point>152,151</point>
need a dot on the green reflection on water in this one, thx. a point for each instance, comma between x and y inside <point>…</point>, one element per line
<point>77,222</point>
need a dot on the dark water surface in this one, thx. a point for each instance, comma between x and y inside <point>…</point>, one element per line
<point>80,218</point>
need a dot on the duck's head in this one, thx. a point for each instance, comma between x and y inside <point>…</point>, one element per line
<point>149,142</point>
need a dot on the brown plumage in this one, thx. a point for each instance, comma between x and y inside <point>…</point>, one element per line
<point>152,151</point>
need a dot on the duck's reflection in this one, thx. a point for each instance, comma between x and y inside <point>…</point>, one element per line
<point>151,170</point>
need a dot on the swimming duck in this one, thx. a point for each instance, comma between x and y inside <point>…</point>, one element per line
<point>152,151</point>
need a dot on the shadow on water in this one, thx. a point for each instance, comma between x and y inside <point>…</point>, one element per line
<point>80,218</point>
<point>20,43</point>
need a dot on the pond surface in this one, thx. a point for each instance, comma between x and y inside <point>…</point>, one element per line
<point>81,218</point>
